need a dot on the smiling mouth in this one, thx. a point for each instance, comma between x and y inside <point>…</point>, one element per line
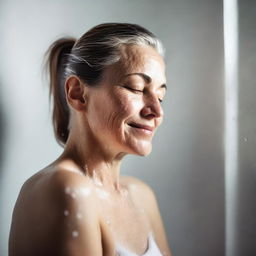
<point>142,127</point>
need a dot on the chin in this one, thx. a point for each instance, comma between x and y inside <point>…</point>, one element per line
<point>145,153</point>
<point>142,151</point>
<point>138,146</point>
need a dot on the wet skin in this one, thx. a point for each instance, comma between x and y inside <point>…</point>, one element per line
<point>79,204</point>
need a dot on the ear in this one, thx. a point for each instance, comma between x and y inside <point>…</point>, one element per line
<point>76,93</point>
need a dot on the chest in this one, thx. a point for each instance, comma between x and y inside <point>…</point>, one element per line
<point>124,222</point>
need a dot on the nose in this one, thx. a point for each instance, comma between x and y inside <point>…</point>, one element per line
<point>152,108</point>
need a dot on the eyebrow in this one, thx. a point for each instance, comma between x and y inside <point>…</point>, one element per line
<point>147,79</point>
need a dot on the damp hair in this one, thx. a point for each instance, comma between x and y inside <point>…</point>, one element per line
<point>87,58</point>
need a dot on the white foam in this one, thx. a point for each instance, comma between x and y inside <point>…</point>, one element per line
<point>79,215</point>
<point>67,190</point>
<point>75,233</point>
<point>66,212</point>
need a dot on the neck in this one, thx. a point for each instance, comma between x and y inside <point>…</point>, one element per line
<point>96,161</point>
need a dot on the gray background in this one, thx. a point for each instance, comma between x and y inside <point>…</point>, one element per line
<point>186,167</point>
<point>245,240</point>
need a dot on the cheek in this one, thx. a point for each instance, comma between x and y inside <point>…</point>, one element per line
<point>109,112</point>
<point>122,107</point>
<point>129,104</point>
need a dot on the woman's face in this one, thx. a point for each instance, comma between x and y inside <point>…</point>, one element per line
<point>124,110</point>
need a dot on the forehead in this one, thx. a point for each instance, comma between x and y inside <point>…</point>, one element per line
<point>140,59</point>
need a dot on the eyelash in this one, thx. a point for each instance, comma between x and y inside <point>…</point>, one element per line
<point>138,91</point>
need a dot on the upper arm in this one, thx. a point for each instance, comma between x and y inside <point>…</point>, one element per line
<point>75,217</point>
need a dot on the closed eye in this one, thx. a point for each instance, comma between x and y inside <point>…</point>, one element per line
<point>132,89</point>
<point>138,91</point>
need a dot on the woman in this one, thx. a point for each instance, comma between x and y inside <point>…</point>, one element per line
<point>107,89</point>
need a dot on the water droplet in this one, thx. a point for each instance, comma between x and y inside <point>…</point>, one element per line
<point>75,233</point>
<point>102,194</point>
<point>73,195</point>
<point>66,212</point>
<point>245,139</point>
<point>96,179</point>
<point>79,215</point>
<point>84,191</point>
<point>67,190</point>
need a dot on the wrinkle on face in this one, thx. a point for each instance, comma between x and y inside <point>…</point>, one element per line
<point>113,106</point>
<point>143,59</point>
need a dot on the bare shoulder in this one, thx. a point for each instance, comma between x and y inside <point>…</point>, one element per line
<point>144,195</point>
<point>58,186</point>
<point>57,211</point>
<point>136,183</point>
<point>140,189</point>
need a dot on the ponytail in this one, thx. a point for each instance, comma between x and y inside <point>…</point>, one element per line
<point>56,61</point>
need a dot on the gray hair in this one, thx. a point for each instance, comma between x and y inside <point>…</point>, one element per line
<point>100,47</point>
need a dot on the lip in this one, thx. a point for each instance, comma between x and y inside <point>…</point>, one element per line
<point>142,126</point>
